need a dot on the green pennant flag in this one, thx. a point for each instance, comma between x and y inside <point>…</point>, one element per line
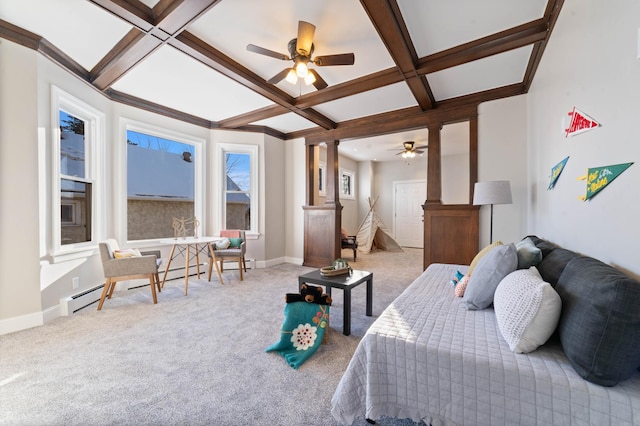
<point>599,177</point>
<point>556,171</point>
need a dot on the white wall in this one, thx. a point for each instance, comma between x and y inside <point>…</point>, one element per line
<point>591,63</point>
<point>455,178</point>
<point>19,187</point>
<point>502,155</point>
<point>385,173</point>
<point>350,207</point>
<point>274,201</point>
<point>350,212</point>
<point>295,180</point>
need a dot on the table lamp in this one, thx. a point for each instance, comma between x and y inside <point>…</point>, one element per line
<point>492,192</point>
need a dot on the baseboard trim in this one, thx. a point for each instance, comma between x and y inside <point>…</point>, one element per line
<point>22,322</point>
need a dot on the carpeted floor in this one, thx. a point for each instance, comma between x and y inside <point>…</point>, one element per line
<point>189,360</point>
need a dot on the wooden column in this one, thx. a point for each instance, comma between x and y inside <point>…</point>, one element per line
<point>322,223</point>
<point>451,232</point>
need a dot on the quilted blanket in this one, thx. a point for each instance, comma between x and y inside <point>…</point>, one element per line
<point>428,358</point>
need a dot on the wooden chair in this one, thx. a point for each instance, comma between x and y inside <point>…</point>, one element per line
<point>128,268</point>
<point>231,253</point>
<point>350,242</point>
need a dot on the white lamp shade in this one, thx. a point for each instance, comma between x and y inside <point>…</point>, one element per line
<point>492,192</point>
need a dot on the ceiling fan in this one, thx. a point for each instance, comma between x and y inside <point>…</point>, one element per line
<point>300,51</point>
<point>409,150</point>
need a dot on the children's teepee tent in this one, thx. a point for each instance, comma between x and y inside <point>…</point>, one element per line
<point>373,235</point>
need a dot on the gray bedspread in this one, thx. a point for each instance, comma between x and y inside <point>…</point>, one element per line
<point>427,358</point>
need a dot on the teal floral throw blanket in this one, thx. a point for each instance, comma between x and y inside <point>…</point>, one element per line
<point>302,331</point>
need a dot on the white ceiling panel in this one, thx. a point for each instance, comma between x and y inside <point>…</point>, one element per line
<point>435,26</point>
<point>384,99</point>
<point>488,73</point>
<point>229,28</point>
<point>80,29</point>
<point>286,123</point>
<point>180,82</point>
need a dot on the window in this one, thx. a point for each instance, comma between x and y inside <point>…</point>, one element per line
<point>162,183</point>
<point>322,167</point>
<point>347,184</point>
<point>76,147</point>
<point>239,194</point>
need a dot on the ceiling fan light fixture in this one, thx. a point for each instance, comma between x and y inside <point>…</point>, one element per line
<point>301,68</point>
<point>310,79</point>
<point>292,77</point>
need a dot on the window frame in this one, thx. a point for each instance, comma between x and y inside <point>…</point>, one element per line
<point>253,152</point>
<point>352,184</point>
<point>95,127</point>
<point>121,175</point>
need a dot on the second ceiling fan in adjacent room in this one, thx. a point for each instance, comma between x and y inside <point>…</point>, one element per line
<point>408,149</point>
<point>300,50</point>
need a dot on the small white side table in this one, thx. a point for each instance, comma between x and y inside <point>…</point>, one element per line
<point>190,248</point>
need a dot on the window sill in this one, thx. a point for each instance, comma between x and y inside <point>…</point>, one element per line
<point>66,256</point>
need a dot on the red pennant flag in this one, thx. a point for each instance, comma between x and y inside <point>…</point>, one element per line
<point>580,122</point>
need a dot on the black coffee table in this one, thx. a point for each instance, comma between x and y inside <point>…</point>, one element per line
<point>345,282</point>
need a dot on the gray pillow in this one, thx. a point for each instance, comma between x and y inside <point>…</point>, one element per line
<point>528,254</point>
<point>599,326</point>
<point>492,268</point>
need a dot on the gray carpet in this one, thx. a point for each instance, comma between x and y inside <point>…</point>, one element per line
<point>189,360</point>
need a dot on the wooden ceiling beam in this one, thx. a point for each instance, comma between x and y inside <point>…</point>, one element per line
<point>151,29</point>
<point>449,111</point>
<point>391,122</point>
<point>129,51</point>
<point>174,16</point>
<point>136,13</point>
<point>550,16</point>
<point>252,116</point>
<point>350,88</point>
<point>133,101</point>
<point>387,19</point>
<point>501,42</point>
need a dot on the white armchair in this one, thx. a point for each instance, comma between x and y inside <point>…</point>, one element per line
<point>128,268</point>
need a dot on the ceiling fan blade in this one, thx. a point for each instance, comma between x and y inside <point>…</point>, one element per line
<point>278,77</point>
<point>319,83</point>
<point>341,59</point>
<point>418,151</point>
<point>305,38</point>
<point>267,52</point>
<point>421,147</point>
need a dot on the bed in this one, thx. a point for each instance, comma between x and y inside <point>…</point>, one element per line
<point>428,358</point>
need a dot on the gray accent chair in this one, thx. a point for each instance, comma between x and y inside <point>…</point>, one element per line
<point>231,253</point>
<point>128,268</point>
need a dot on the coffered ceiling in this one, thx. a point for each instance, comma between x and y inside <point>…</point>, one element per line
<point>188,59</point>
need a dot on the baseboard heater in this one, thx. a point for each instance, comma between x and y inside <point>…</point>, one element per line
<point>72,304</point>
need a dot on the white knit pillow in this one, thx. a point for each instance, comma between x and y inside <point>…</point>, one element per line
<point>527,309</point>
<point>223,244</point>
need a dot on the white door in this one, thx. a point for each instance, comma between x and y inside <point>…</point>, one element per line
<point>408,222</point>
